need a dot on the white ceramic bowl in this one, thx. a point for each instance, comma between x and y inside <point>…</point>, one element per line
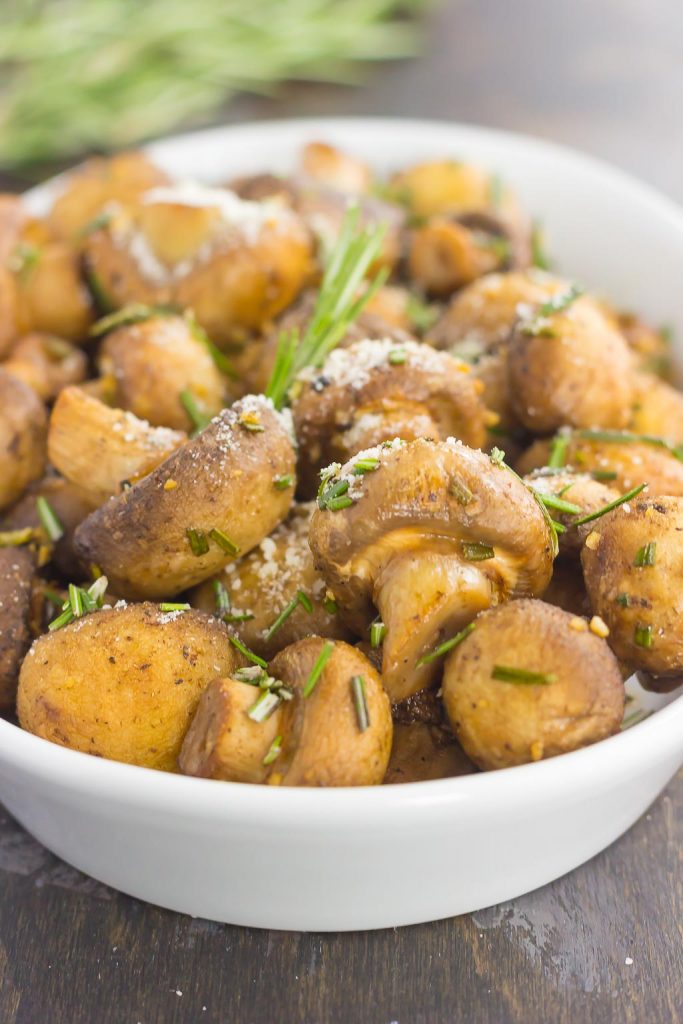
<point>328,860</point>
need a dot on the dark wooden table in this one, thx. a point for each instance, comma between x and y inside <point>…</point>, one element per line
<point>603,944</point>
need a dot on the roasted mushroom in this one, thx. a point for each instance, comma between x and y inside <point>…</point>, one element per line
<point>449,252</point>
<point>632,563</point>
<point>88,190</point>
<point>237,264</point>
<point>375,391</point>
<point>124,682</point>
<point>330,166</point>
<point>657,408</point>
<point>428,534</point>
<point>617,457</point>
<point>156,362</point>
<point>46,363</point>
<point>17,568</point>
<point>531,682</point>
<point>214,498</point>
<point>23,433</point>
<point>104,450</point>
<point>568,366</point>
<point>274,596</point>
<point>51,296</point>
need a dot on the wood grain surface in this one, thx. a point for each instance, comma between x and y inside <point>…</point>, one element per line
<point>600,945</point>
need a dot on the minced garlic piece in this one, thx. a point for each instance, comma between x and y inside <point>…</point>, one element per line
<point>599,627</point>
<point>536,750</point>
<point>578,624</point>
<point>170,484</point>
<point>593,539</point>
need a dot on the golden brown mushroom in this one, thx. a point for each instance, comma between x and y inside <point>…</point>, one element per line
<point>101,180</point>
<point>531,682</point>
<point>375,391</point>
<point>17,569</point>
<point>102,450</point>
<point>620,458</point>
<point>237,264</point>
<point>423,745</point>
<point>428,534</point>
<point>51,296</point>
<point>155,362</point>
<point>567,365</point>
<point>330,166</point>
<point>214,498</point>
<point>46,363</point>
<point>632,565</point>
<point>23,433</point>
<point>580,490</point>
<point>123,683</point>
<point>274,596</point>
<point>657,408</point>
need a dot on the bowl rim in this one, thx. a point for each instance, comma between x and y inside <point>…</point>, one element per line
<point>656,739</point>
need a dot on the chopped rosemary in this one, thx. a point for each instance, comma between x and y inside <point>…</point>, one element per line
<point>49,519</point>
<point>497,456</point>
<point>377,633</point>
<point>317,669</point>
<point>249,655</point>
<point>80,602</point>
<point>281,483</point>
<point>198,541</point>
<point>264,706</point>
<point>647,555</point>
<point>610,505</point>
<point>603,474</point>
<point>197,417</point>
<point>251,421</point>
<point>421,315</point>
<point>273,751</point>
<point>238,616</point>
<point>224,542</point>
<point>222,598</point>
<point>23,259</point>
<point>397,356</point>
<point>135,313</point>
<point>462,494</point>
<point>367,465</point>
<point>642,636</point>
<point>626,437</point>
<point>361,703</point>
<point>170,606</point>
<point>505,674</point>
<point>555,502</point>
<point>336,307</point>
<point>330,605</point>
<point>538,324</point>
<point>299,599</point>
<point>335,497</point>
<point>446,646</point>
<point>624,600</point>
<point>538,255</point>
<point>17,538</point>
<point>476,551</point>
<point>558,450</point>
<point>220,360</point>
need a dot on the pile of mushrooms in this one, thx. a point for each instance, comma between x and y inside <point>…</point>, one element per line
<point>322,480</point>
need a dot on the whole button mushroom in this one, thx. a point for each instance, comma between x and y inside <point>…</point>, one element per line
<point>46,363</point>
<point>569,366</point>
<point>318,716</point>
<point>531,681</point>
<point>374,391</point>
<point>213,499</point>
<point>237,264</point>
<point>17,571</point>
<point>632,565</point>
<point>617,457</point>
<point>427,534</point>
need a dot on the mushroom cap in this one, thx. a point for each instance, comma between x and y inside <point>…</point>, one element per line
<point>23,434</point>
<point>482,315</point>
<point>236,263</point>
<point>444,254</point>
<point>615,457</point>
<point>50,294</point>
<point>415,540</point>
<point>651,348</point>
<point>46,363</point>
<point>17,568</point>
<point>322,741</point>
<point>223,742</point>
<point>265,581</point>
<point>222,479</point>
<point>657,408</point>
<point>642,604</point>
<point>579,489</point>
<point>124,682</point>
<point>374,391</point>
<point>422,751</point>
<point>576,370</point>
<point>452,186</point>
<point>499,723</point>
<point>153,362</point>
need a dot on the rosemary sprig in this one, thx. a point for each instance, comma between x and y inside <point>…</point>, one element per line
<point>198,418</point>
<point>447,646</point>
<point>505,674</point>
<point>557,503</point>
<point>538,323</point>
<point>135,313</point>
<point>317,669</point>
<point>299,599</point>
<point>49,519</point>
<point>626,437</point>
<point>360,702</point>
<point>336,307</point>
<point>610,505</point>
<point>249,655</point>
<point>80,602</point>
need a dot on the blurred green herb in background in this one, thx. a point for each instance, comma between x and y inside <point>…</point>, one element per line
<point>82,74</point>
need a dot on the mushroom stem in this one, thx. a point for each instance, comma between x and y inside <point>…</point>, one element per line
<point>423,599</point>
